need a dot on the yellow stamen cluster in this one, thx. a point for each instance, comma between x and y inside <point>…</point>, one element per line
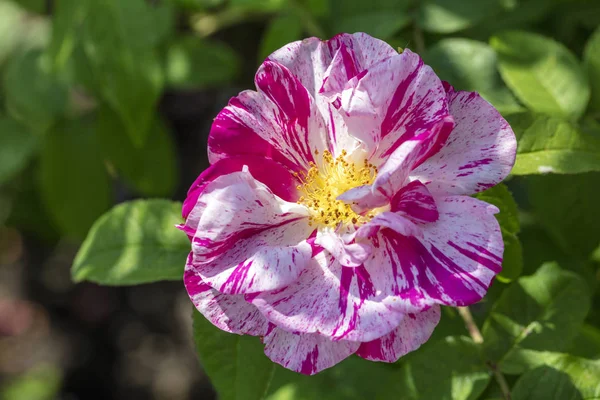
<point>321,185</point>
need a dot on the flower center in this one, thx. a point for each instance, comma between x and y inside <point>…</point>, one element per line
<point>321,185</point>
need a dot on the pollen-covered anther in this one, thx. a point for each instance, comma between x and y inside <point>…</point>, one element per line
<point>321,185</point>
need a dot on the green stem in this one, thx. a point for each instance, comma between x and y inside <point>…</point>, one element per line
<point>477,337</point>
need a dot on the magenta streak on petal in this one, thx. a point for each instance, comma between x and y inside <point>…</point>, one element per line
<point>332,125</point>
<point>309,365</point>
<point>485,251</point>
<point>366,290</point>
<point>492,265</point>
<point>349,60</point>
<point>412,253</point>
<point>458,271</point>
<point>239,275</point>
<point>219,247</point>
<point>293,102</point>
<point>278,178</point>
<point>415,200</point>
<point>477,163</point>
<point>231,136</point>
<point>345,281</point>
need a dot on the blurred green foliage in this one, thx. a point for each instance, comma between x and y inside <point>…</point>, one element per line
<point>80,84</point>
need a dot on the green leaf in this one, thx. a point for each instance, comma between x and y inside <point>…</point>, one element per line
<point>43,382</point>
<point>150,169</point>
<point>586,343</point>
<point>447,16</point>
<point>542,73</point>
<point>545,383</point>
<point>10,28</point>
<point>135,242</point>
<point>554,145</point>
<point>281,30</point>
<point>570,213</point>
<point>74,184</point>
<point>33,94</point>
<point>17,145</point>
<point>572,374</point>
<point>541,312</point>
<point>36,6</point>
<point>379,18</point>
<point>192,63</point>
<point>454,364</point>
<point>352,379</point>
<point>235,364</point>
<point>19,31</point>
<point>120,50</point>
<point>500,196</point>
<point>508,218</point>
<point>591,60</point>
<point>68,16</point>
<point>471,65</point>
<point>518,14</point>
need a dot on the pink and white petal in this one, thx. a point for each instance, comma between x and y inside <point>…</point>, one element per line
<point>301,126</point>
<point>396,100</point>
<point>395,221</point>
<point>281,122</point>
<point>413,331</point>
<point>363,198</point>
<point>306,353</point>
<point>415,201</point>
<point>338,302</point>
<point>394,173</point>
<point>344,248</point>
<point>479,153</point>
<point>453,263</point>
<point>230,313</point>
<point>268,260</point>
<point>246,238</point>
<point>274,175</point>
<point>310,61</point>
<point>234,133</point>
<point>310,58</point>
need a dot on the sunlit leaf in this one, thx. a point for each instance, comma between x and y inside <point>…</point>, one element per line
<point>542,73</point>
<point>447,16</point>
<point>554,145</point>
<point>540,312</point>
<point>135,242</point>
<point>473,66</point>
<point>554,376</point>
<point>591,60</point>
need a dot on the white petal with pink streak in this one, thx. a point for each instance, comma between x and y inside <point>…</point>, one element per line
<point>396,100</point>
<point>307,353</point>
<point>230,313</point>
<point>452,263</point>
<point>246,238</point>
<point>478,154</point>
<point>338,302</point>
